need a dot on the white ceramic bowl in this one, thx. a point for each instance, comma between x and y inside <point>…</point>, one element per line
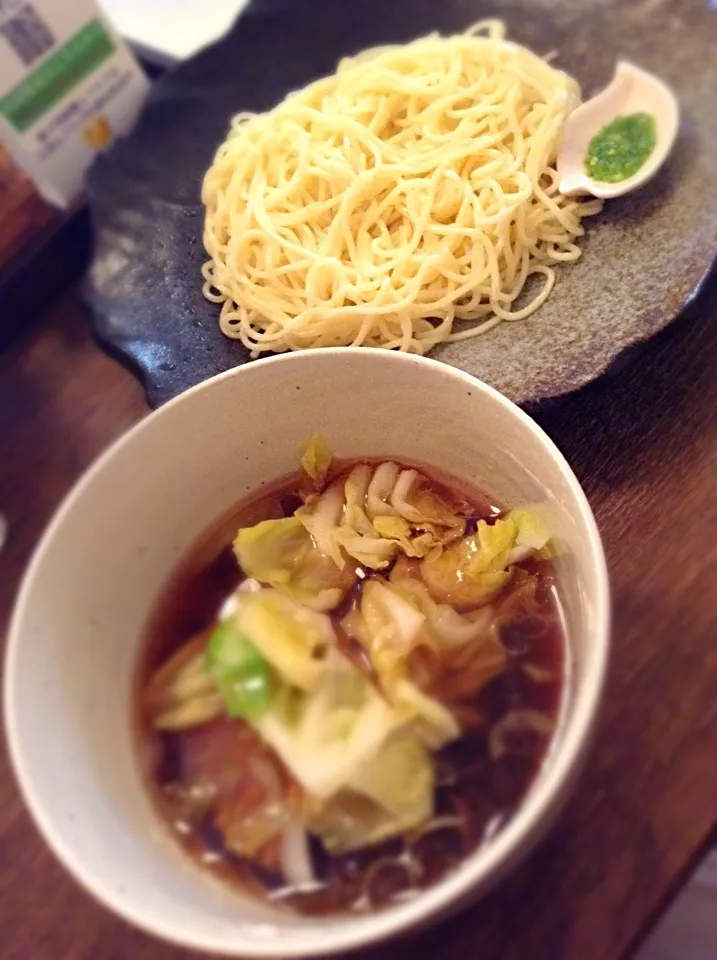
<point>99,568</point>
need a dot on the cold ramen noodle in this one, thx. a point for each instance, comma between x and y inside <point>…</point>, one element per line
<point>409,199</point>
<point>342,703</point>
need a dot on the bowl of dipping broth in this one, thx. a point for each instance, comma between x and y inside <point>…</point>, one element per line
<point>322,641</point>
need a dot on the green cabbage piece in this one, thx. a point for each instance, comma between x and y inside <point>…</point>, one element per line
<point>355,490</point>
<point>316,459</point>
<point>417,500</point>
<point>283,554</point>
<point>389,626</point>
<point>533,538</point>
<point>293,639</point>
<point>373,552</point>
<point>470,640</point>
<point>447,627</point>
<point>376,512</point>
<point>242,675</point>
<point>324,737</point>
<point>321,516</point>
<point>433,723</point>
<point>180,693</point>
<point>399,530</point>
<point>474,570</point>
<point>391,793</point>
<point>364,766</point>
<point>380,488</point>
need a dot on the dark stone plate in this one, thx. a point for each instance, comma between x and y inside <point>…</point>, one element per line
<point>643,258</point>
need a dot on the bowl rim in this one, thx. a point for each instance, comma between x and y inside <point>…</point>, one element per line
<point>480,870</point>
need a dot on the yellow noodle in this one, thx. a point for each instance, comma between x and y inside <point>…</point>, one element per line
<point>411,193</point>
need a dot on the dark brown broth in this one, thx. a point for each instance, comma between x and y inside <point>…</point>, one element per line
<point>480,790</point>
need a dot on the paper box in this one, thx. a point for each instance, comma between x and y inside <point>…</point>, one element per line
<point>68,87</point>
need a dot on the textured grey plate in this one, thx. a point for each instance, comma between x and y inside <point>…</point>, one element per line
<point>643,258</point>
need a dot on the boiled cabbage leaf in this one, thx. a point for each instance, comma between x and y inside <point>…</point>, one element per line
<point>316,459</point>
<point>399,530</point>
<point>447,627</point>
<point>293,639</point>
<point>402,506</point>
<point>378,495</point>
<point>433,723</point>
<point>469,650</point>
<point>283,554</point>
<point>472,571</point>
<point>399,778</point>
<point>321,516</point>
<point>374,552</point>
<point>181,693</point>
<point>389,794</point>
<point>324,737</point>
<point>415,499</point>
<point>355,490</point>
<point>374,513</point>
<point>389,626</point>
<point>533,537</point>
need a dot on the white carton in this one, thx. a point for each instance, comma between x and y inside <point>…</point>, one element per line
<point>68,87</point>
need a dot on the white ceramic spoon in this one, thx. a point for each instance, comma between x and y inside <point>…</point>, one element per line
<point>632,90</point>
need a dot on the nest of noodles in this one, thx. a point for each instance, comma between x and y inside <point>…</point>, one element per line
<point>414,188</point>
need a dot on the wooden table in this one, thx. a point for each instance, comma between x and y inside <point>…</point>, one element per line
<point>644,444</point>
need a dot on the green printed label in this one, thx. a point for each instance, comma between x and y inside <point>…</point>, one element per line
<point>39,92</point>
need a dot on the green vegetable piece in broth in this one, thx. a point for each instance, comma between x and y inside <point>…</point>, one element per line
<point>316,459</point>
<point>390,793</point>
<point>475,569</point>
<point>241,673</point>
<point>291,638</point>
<point>282,554</point>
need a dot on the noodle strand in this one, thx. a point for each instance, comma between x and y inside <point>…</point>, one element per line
<point>389,204</point>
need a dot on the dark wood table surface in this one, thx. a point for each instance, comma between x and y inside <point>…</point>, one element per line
<point>644,444</point>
